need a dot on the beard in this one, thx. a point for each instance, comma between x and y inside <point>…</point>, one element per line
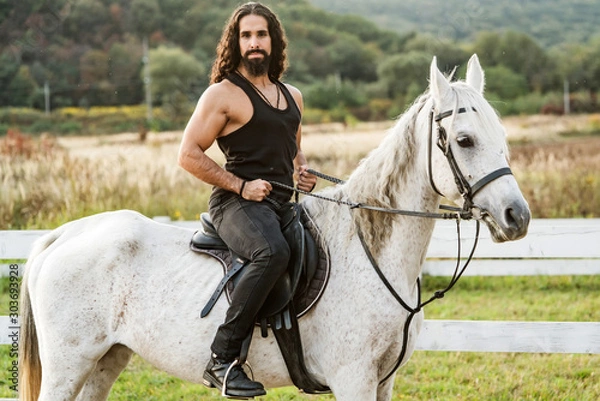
<point>256,67</point>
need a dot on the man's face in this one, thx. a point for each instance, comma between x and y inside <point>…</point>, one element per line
<point>255,44</point>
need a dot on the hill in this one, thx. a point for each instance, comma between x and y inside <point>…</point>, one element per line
<point>550,22</point>
<point>86,53</point>
<point>89,52</point>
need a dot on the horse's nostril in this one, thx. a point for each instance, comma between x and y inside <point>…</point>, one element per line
<point>517,220</point>
<point>510,218</point>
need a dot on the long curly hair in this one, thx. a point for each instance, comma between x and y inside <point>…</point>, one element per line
<point>228,50</point>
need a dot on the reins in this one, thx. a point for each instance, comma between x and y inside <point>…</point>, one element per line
<point>412,311</point>
<point>458,214</point>
<point>456,211</point>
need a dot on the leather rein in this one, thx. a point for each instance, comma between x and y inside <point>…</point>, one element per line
<point>466,191</point>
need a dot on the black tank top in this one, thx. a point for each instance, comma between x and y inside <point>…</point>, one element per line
<point>265,147</point>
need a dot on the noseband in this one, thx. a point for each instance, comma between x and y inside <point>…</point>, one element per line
<point>466,190</point>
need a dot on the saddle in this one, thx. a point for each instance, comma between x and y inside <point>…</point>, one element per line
<point>294,294</point>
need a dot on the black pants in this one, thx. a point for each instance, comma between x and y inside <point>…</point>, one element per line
<point>252,230</point>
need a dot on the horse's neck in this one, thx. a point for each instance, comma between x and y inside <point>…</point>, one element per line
<point>392,176</point>
<point>400,258</point>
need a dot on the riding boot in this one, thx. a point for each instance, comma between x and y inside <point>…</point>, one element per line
<point>229,377</point>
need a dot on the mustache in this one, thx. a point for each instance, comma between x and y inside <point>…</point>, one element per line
<point>259,51</point>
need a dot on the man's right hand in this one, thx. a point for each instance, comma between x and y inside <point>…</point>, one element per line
<point>256,190</point>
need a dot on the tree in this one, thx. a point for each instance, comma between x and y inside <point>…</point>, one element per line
<point>124,71</point>
<point>94,78</point>
<point>13,18</point>
<point>572,64</point>
<point>352,59</point>
<point>398,72</point>
<point>524,56</point>
<point>22,88</point>
<point>9,68</point>
<point>579,65</point>
<point>594,65</point>
<point>145,16</point>
<point>488,46</point>
<point>88,22</point>
<point>518,52</point>
<point>174,75</point>
<point>449,54</point>
<point>505,83</point>
<point>334,93</point>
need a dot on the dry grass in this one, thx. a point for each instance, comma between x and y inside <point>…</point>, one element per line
<point>48,182</point>
<point>560,179</point>
<point>92,175</point>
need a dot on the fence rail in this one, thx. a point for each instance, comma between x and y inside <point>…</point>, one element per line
<point>552,247</point>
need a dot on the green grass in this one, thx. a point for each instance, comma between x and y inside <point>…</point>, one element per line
<point>441,375</point>
<point>537,298</point>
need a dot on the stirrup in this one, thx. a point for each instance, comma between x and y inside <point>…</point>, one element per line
<point>224,387</point>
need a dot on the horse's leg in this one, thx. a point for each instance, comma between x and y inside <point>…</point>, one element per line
<point>63,375</point>
<point>353,382</point>
<point>69,353</point>
<point>109,367</point>
<point>386,389</point>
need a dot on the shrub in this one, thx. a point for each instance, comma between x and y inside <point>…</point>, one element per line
<point>39,126</point>
<point>379,109</point>
<point>69,127</point>
<point>315,116</point>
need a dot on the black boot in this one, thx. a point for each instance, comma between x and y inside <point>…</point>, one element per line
<point>237,383</point>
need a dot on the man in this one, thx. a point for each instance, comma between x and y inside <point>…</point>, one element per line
<point>255,120</point>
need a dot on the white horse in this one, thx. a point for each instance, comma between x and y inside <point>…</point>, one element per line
<point>98,289</point>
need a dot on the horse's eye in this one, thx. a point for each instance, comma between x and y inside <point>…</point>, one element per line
<point>465,141</point>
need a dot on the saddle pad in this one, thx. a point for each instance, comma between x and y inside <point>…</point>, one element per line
<point>305,298</point>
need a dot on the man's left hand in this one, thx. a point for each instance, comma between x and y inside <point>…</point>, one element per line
<point>306,180</point>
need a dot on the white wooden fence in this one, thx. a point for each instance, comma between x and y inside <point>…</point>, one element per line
<point>552,247</point>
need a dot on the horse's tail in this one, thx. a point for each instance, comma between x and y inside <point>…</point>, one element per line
<point>30,367</point>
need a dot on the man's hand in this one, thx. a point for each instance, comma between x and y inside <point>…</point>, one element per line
<point>306,180</point>
<point>256,190</point>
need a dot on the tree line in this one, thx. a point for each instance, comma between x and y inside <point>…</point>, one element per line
<point>90,53</point>
<point>550,22</point>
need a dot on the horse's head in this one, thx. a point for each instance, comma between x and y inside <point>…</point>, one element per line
<point>469,155</point>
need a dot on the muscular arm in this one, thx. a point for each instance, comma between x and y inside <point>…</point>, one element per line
<point>206,124</point>
<point>211,118</point>
<point>306,181</point>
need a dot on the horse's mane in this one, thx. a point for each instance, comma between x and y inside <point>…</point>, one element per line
<point>377,179</point>
<point>381,176</point>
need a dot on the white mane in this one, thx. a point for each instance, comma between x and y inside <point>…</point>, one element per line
<point>381,176</point>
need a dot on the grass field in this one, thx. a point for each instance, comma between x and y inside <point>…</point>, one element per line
<point>445,375</point>
<point>556,161</point>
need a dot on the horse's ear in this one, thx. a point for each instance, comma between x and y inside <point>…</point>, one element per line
<point>475,75</point>
<point>439,85</point>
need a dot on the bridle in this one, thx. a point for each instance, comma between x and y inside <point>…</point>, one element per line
<point>467,192</point>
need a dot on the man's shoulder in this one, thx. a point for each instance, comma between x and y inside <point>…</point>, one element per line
<point>221,87</point>
<point>296,94</point>
<point>221,90</point>
<point>292,89</point>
